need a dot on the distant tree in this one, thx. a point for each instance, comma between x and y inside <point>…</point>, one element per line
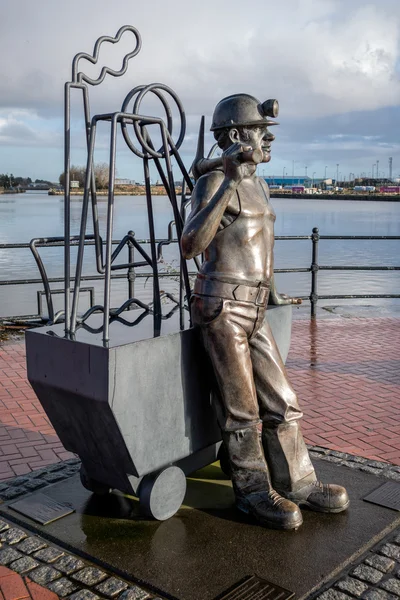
<point>76,174</point>
<point>79,173</point>
<point>44,181</point>
<point>23,181</point>
<point>101,175</point>
<point>5,181</point>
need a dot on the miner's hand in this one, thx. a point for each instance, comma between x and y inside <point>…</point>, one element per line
<point>277,299</point>
<point>233,168</point>
<point>280,299</point>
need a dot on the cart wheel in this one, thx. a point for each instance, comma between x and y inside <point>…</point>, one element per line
<point>161,494</point>
<point>224,461</point>
<point>98,488</point>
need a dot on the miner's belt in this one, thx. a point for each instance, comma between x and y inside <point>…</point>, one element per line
<point>258,295</point>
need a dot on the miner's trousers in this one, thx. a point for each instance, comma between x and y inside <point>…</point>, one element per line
<point>252,384</point>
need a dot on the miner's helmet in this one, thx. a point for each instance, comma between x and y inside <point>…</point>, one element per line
<point>242,110</point>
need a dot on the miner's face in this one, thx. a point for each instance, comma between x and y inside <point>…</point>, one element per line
<point>257,137</point>
<point>260,137</point>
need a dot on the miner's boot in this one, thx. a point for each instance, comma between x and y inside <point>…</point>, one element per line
<point>292,472</point>
<point>252,485</point>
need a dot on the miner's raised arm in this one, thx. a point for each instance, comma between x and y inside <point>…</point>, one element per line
<point>210,198</point>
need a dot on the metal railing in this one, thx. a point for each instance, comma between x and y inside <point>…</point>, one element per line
<point>131,275</point>
<point>315,267</point>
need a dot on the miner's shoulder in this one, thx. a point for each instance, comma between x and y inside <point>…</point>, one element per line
<point>210,180</point>
<point>263,182</point>
<point>216,175</point>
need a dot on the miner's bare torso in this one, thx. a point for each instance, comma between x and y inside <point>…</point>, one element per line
<point>243,245</point>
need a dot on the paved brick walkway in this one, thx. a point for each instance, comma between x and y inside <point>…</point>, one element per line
<point>346,373</point>
<point>14,587</point>
<point>27,440</point>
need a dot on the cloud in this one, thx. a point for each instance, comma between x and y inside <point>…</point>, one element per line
<point>333,64</point>
<point>25,128</point>
<point>317,65</point>
<point>319,56</point>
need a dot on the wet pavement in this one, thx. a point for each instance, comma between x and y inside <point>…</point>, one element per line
<point>346,372</point>
<point>345,369</point>
<point>207,547</point>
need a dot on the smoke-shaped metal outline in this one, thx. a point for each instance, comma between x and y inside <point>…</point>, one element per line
<point>78,77</point>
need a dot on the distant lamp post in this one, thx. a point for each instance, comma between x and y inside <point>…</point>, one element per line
<point>373,167</point>
<point>283,175</point>
<point>306,169</point>
<point>377,169</point>
<point>293,164</point>
<point>337,173</point>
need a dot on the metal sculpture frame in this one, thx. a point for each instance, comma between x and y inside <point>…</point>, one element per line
<point>145,151</point>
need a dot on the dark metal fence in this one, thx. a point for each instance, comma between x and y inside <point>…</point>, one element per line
<point>131,275</point>
<point>315,267</point>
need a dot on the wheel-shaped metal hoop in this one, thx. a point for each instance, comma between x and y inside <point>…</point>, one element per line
<point>140,130</point>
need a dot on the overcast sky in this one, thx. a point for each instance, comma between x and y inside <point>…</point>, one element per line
<point>334,66</point>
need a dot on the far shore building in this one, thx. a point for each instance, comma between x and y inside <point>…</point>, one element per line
<point>120,181</point>
<point>296,181</point>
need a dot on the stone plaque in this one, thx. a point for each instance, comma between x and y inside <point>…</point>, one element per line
<point>387,495</point>
<point>42,508</point>
<point>254,588</point>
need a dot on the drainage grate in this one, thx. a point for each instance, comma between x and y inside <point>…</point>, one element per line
<point>387,495</point>
<point>254,588</point>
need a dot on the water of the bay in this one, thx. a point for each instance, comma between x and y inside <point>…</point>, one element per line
<point>35,214</point>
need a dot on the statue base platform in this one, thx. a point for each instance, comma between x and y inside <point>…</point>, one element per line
<point>208,546</point>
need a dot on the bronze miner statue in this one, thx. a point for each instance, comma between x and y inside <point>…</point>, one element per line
<point>232,223</point>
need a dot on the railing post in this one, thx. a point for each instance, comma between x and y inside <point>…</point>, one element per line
<point>314,272</point>
<point>131,275</point>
